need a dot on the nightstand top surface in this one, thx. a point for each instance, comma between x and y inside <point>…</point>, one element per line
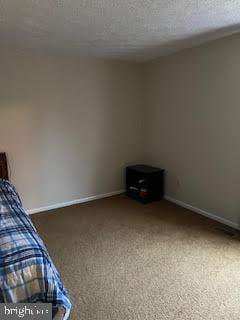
<point>144,169</point>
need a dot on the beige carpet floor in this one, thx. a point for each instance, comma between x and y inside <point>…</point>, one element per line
<point>121,260</point>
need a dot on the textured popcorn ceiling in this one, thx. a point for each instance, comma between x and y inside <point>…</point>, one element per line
<point>128,29</point>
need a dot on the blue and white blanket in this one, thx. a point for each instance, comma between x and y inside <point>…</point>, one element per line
<point>27,273</point>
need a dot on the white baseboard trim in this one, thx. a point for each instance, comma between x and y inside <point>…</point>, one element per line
<point>204,213</point>
<point>73,202</point>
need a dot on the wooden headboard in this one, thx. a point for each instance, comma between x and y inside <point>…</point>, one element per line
<point>3,166</point>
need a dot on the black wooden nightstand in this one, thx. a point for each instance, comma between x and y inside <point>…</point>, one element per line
<point>144,183</point>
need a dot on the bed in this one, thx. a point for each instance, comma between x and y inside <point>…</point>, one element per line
<point>27,273</point>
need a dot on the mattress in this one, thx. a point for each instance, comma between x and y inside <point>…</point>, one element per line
<point>27,273</point>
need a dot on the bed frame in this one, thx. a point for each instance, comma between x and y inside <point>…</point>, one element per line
<point>3,166</point>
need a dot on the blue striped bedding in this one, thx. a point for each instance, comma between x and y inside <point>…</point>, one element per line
<point>27,273</point>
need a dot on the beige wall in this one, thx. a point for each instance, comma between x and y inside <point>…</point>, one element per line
<point>69,125</point>
<point>193,125</point>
